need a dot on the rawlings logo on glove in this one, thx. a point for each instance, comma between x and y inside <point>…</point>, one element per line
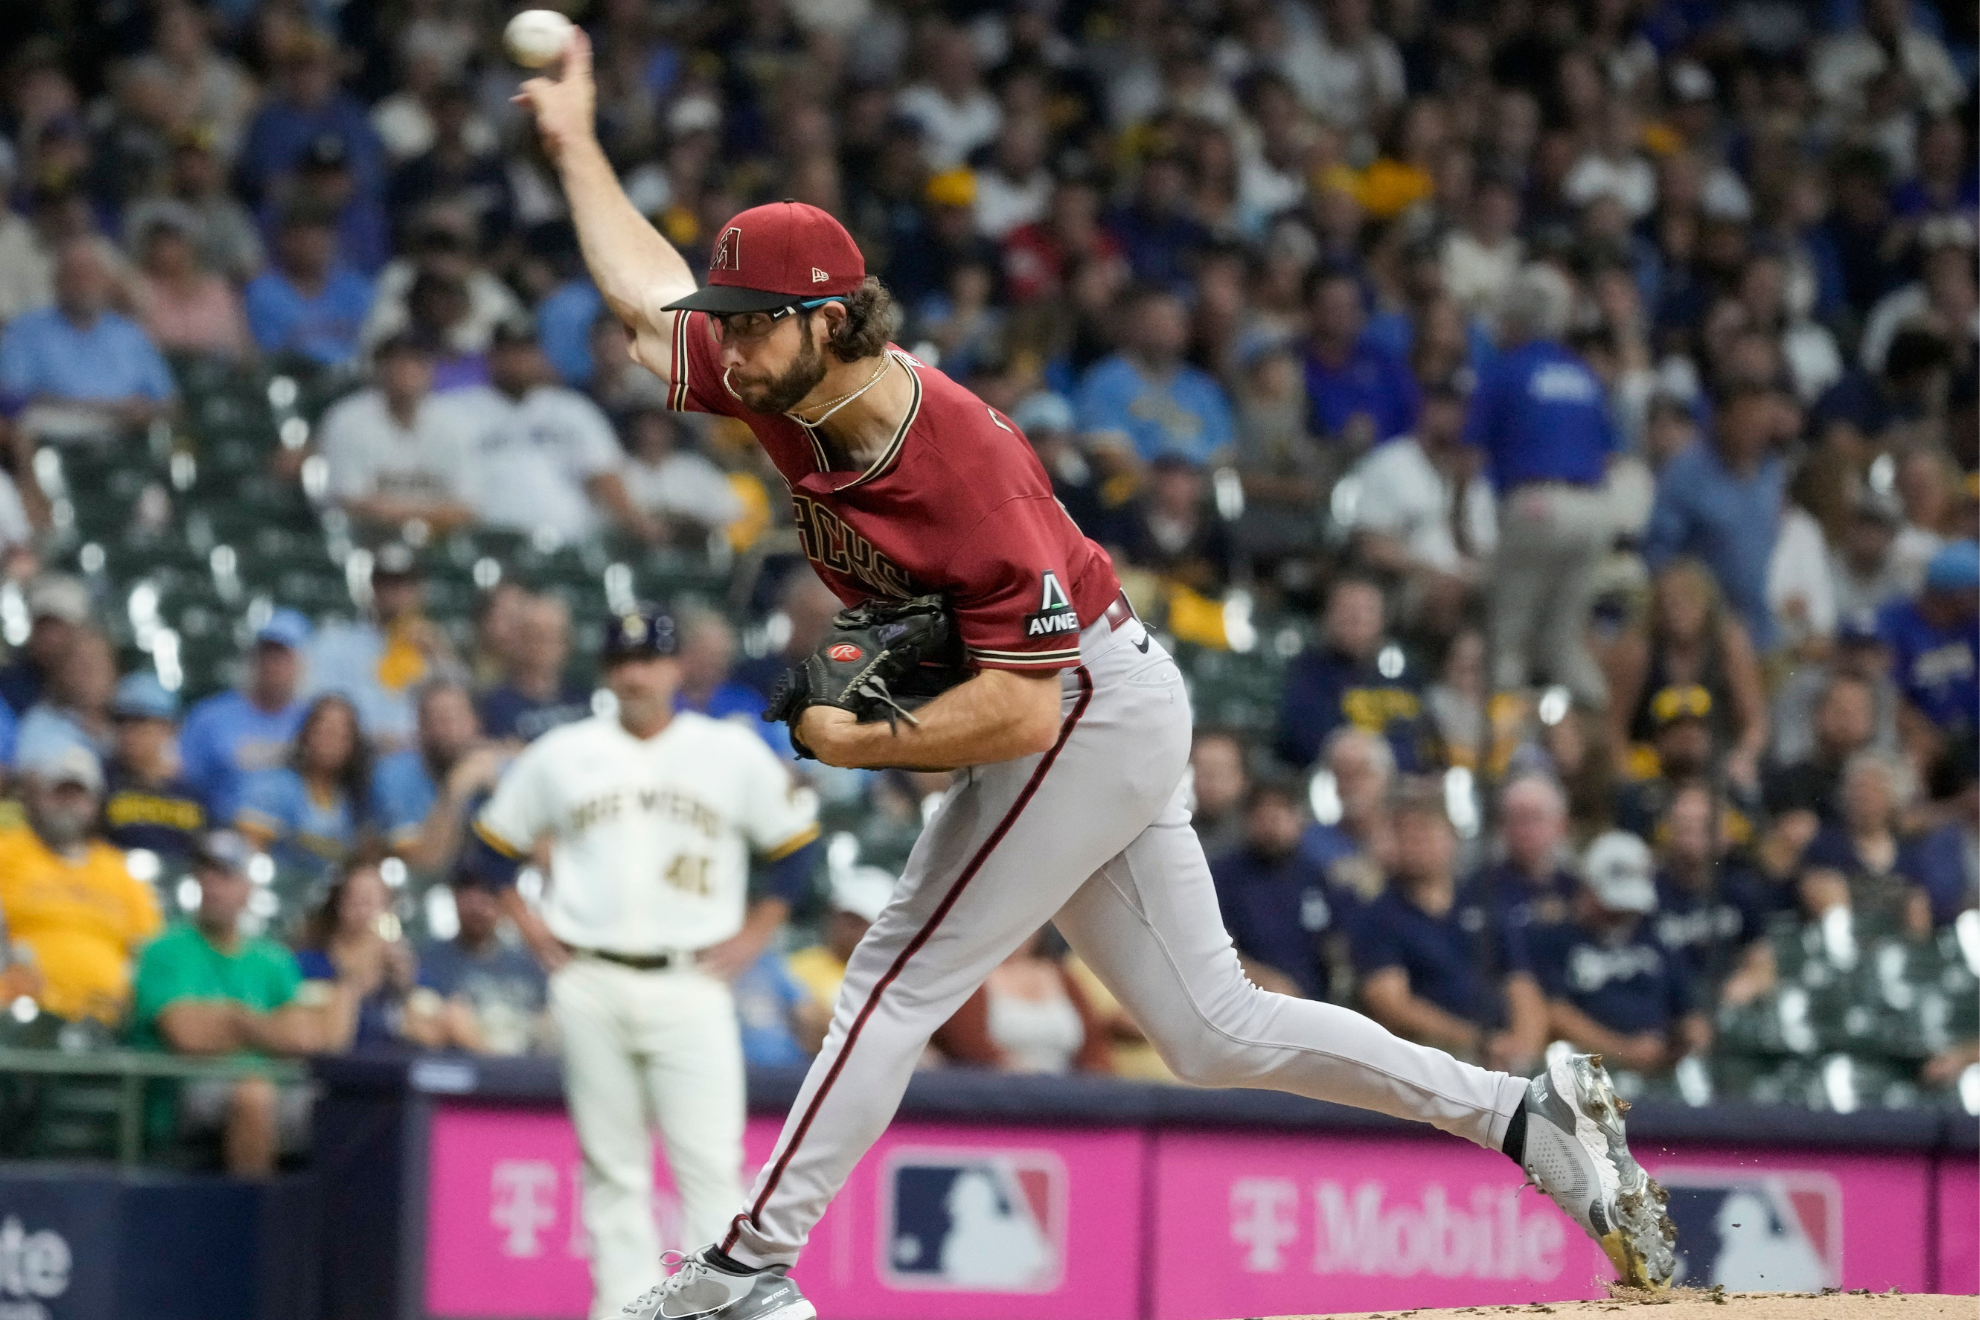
<point>883,659</point>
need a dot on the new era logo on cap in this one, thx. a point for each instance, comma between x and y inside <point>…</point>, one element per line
<point>795,253</point>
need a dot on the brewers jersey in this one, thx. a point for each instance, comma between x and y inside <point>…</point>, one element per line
<point>650,837</point>
<point>957,504</point>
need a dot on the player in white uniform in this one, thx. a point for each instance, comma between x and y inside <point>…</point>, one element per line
<point>651,817</point>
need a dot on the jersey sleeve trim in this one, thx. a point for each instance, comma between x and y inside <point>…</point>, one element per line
<point>677,397</point>
<point>497,842</point>
<point>1024,659</point>
<point>804,836</point>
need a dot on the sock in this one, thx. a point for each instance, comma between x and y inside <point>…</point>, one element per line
<point>728,1264</point>
<point>1514,1146</point>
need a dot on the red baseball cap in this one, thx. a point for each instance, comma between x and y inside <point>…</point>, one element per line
<point>775,256</point>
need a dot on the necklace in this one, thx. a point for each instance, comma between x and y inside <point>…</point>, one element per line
<point>833,405</point>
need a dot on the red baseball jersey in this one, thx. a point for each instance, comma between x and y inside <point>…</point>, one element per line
<point>958,504</point>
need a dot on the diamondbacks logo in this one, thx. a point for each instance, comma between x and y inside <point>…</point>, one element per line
<point>975,1220</point>
<point>1055,614</point>
<point>728,251</point>
<point>844,653</point>
<point>1756,1232</point>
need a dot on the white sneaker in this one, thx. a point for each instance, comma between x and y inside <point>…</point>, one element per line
<point>697,1288</point>
<point>1577,1155</point>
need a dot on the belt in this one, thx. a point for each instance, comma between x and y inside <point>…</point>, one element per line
<point>1118,612</point>
<point>639,962</point>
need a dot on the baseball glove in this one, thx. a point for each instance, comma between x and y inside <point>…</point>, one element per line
<point>882,659</point>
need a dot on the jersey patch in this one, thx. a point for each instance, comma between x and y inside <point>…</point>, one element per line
<point>1055,614</point>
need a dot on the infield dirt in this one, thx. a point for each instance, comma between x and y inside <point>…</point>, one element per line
<point>1692,1304</point>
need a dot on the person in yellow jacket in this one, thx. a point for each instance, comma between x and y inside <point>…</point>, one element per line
<point>67,899</point>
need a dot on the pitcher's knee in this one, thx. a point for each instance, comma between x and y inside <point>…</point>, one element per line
<point>1217,1053</point>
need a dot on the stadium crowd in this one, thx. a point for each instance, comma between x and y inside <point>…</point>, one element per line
<point>1546,431</point>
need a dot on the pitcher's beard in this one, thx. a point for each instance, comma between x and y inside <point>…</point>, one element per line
<point>786,391</point>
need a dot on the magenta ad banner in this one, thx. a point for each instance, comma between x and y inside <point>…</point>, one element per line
<point>1959,1225</point>
<point>969,1223</point>
<point>1248,1225</point>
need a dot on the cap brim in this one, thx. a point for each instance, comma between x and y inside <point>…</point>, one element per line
<point>728,300</point>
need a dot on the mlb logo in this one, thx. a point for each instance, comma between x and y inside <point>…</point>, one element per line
<point>1775,1232</point>
<point>973,1220</point>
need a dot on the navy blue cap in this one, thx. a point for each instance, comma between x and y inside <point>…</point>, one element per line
<point>643,634</point>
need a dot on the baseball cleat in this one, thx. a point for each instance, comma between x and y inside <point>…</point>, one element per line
<point>1577,1155</point>
<point>697,1288</point>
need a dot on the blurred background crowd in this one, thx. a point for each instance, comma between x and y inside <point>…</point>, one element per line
<point>1545,432</point>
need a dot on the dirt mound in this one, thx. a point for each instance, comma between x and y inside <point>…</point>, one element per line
<point>1715,1304</point>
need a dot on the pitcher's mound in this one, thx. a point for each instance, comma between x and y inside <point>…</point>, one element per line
<point>1692,1304</point>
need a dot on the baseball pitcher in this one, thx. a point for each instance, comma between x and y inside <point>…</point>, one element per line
<point>1070,724</point>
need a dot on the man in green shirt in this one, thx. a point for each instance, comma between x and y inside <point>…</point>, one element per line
<point>204,989</point>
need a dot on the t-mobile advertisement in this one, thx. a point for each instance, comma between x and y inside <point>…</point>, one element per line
<point>1262,1225</point>
<point>967,1223</point>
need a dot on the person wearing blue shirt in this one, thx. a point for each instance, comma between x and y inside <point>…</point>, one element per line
<point>534,696</point>
<point>1612,986</point>
<point>1354,675</point>
<point>1720,501</point>
<point>1360,393</point>
<point>307,106</point>
<point>80,354</point>
<point>563,325</point>
<point>1935,657</point>
<point>1529,887</point>
<point>307,304</point>
<point>1710,907</point>
<point>493,991</point>
<point>780,1023</point>
<point>323,179</point>
<point>1156,230</point>
<point>1417,950</point>
<point>425,794</point>
<point>147,802</point>
<point>315,814</point>
<point>707,654</point>
<point>1541,418</point>
<point>232,735</point>
<point>1276,900</point>
<point>1145,400</point>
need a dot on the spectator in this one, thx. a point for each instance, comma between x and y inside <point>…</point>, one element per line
<point>441,261</point>
<point>534,695</point>
<point>377,661</point>
<point>184,307</point>
<point>1935,658</point>
<point>1355,676</point>
<point>546,457</point>
<point>1531,887</point>
<point>229,241</point>
<point>210,88</point>
<point>1220,783</point>
<point>66,896</point>
<point>438,316</point>
<point>1156,228</point>
<point>1358,81</point>
<point>621,387</point>
<point>1352,836</point>
<point>1540,416</point>
<point>1680,722</point>
<point>395,452</point>
<point>493,993</point>
<point>1859,653</point>
<point>1171,530</point>
<point>1048,422</point>
<point>805,608</point>
<point>1845,66</point>
<point>460,168</point>
<point>1845,723</point>
<point>1145,400</point>
<point>204,989</point>
<point>26,274</point>
<point>1721,502</point>
<point>75,708</point>
<point>308,306</point>
<point>1277,903</point>
<point>1481,256</point>
<point>1417,958</point>
<point>1014,188</point>
<point>316,813</point>
<point>85,370</point>
<point>1710,907</point>
<point>1612,986</point>
<point>324,179</point>
<point>1691,641</point>
<point>309,105</point>
<point>668,481</point>
<point>857,897</point>
<point>1867,850</point>
<point>57,606</point>
<point>1035,1019</point>
<point>781,1025</point>
<point>1423,516</point>
<point>1865,570</point>
<point>231,736</point>
<point>1360,395</point>
<point>1039,258</point>
<point>497,617</point>
<point>955,114</point>
<point>148,802</point>
<point>369,978</point>
<point>424,792</point>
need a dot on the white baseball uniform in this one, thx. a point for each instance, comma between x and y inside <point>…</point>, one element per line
<point>650,846</point>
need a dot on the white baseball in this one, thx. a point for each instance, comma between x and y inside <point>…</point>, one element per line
<point>536,37</point>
